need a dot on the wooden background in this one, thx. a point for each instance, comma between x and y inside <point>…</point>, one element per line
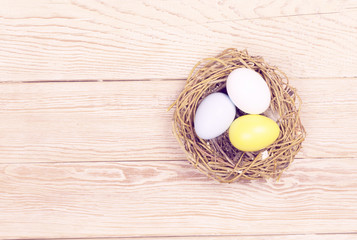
<point>86,149</point>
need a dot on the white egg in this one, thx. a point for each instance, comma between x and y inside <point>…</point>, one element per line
<point>214,116</point>
<point>248,91</point>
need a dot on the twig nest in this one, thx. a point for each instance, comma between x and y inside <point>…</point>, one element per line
<point>217,157</point>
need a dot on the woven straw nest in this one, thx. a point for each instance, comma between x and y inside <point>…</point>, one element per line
<point>217,158</point>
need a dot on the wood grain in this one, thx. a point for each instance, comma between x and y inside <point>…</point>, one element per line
<point>95,159</point>
<point>94,40</point>
<point>161,13</point>
<point>170,198</point>
<point>125,121</point>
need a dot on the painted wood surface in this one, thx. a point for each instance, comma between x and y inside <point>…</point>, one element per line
<point>171,198</point>
<point>128,120</point>
<point>86,149</point>
<point>81,40</point>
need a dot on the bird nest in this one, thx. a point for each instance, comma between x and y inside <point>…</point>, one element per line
<point>218,158</point>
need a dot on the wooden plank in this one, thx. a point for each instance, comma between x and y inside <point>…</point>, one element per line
<point>124,121</point>
<point>160,13</point>
<point>94,40</point>
<point>171,198</point>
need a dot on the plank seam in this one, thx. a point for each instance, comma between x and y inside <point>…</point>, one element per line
<point>137,161</point>
<point>197,236</point>
<point>142,80</point>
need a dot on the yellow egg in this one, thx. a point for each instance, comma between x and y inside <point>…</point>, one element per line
<point>253,132</point>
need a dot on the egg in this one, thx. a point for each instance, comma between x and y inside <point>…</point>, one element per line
<point>214,116</point>
<point>253,132</point>
<point>248,91</point>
